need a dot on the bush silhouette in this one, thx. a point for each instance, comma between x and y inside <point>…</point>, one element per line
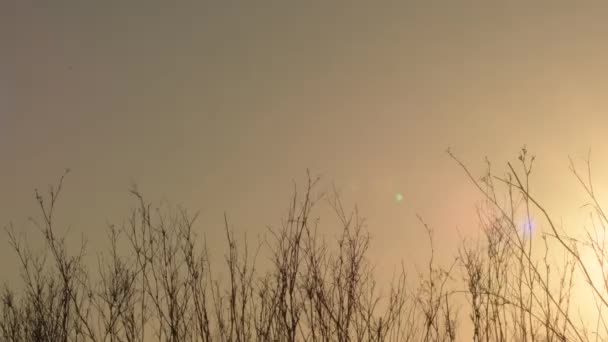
<point>163,287</point>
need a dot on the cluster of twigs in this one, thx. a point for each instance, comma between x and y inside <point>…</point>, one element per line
<point>518,281</point>
<point>161,287</point>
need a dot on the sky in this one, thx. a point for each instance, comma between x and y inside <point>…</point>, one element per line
<point>219,106</point>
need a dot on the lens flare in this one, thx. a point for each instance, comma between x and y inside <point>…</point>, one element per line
<point>528,226</point>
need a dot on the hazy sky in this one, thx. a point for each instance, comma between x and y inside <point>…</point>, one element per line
<point>219,106</point>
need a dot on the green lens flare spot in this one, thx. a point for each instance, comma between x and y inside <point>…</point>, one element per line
<point>399,197</point>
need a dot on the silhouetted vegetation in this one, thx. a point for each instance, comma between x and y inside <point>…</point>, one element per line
<point>155,281</point>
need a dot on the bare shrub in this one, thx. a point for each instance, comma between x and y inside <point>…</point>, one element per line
<point>517,282</point>
<point>162,286</point>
